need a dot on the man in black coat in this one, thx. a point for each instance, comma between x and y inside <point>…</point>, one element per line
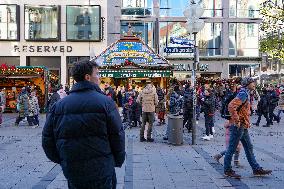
<point>263,109</point>
<point>84,134</point>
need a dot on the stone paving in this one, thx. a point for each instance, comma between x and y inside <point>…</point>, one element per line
<point>23,163</point>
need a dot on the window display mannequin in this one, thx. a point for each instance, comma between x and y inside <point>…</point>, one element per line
<point>35,24</point>
<point>83,23</point>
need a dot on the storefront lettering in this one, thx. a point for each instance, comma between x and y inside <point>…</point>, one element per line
<point>52,49</point>
<point>133,75</point>
<point>130,54</point>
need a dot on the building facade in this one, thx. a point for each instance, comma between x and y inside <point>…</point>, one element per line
<point>54,34</point>
<point>228,43</point>
<point>60,33</point>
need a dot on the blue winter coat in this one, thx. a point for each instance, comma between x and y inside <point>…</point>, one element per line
<point>84,134</point>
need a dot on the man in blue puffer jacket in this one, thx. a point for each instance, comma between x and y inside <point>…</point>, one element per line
<point>84,134</point>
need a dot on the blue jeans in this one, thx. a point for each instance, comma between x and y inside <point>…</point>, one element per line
<point>209,124</point>
<point>236,135</point>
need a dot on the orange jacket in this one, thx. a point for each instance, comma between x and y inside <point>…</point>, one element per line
<point>239,109</point>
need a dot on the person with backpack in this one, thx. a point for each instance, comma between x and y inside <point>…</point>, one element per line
<point>188,107</point>
<point>263,109</point>
<point>230,95</point>
<point>239,109</point>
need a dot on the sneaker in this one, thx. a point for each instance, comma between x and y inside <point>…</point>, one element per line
<point>150,140</point>
<point>232,174</point>
<point>142,139</point>
<point>217,157</point>
<point>211,136</point>
<point>206,138</point>
<point>213,130</point>
<point>261,172</point>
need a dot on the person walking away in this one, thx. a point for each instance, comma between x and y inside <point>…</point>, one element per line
<point>209,111</point>
<point>188,107</point>
<point>161,108</point>
<point>23,107</point>
<point>240,123</point>
<point>263,109</point>
<point>281,106</point>
<point>273,101</point>
<point>148,99</point>
<point>85,136</point>
<point>35,108</point>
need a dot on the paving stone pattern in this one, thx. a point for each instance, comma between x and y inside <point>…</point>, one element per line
<point>156,165</point>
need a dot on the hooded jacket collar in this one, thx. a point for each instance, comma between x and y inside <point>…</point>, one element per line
<point>85,85</point>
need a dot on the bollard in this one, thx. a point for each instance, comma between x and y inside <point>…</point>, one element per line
<point>175,129</point>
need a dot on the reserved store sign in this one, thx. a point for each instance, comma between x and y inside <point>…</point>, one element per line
<point>43,48</point>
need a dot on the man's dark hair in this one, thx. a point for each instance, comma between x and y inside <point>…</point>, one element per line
<point>82,68</point>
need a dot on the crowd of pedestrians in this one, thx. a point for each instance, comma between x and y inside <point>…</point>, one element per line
<point>92,127</point>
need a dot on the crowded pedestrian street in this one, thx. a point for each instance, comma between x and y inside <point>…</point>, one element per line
<point>158,165</point>
<point>142,94</point>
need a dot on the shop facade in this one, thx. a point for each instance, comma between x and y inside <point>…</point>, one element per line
<point>54,35</point>
<point>14,78</point>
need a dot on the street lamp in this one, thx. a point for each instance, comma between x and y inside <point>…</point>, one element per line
<point>194,24</point>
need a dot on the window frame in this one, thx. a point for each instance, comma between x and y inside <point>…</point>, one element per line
<point>100,24</point>
<point>58,24</point>
<point>17,23</point>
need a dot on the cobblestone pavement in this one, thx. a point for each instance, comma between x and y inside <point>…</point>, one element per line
<point>23,163</point>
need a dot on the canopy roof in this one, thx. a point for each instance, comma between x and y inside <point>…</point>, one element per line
<point>131,52</point>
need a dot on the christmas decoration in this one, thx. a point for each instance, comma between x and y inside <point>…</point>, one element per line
<point>21,70</point>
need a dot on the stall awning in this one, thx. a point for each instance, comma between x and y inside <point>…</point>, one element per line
<point>131,51</point>
<point>135,73</point>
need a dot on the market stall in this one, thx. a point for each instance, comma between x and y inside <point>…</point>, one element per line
<point>130,62</point>
<point>14,78</point>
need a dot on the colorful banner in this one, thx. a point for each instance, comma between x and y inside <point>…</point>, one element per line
<point>134,73</point>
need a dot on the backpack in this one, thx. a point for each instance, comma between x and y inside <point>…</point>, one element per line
<point>225,106</point>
